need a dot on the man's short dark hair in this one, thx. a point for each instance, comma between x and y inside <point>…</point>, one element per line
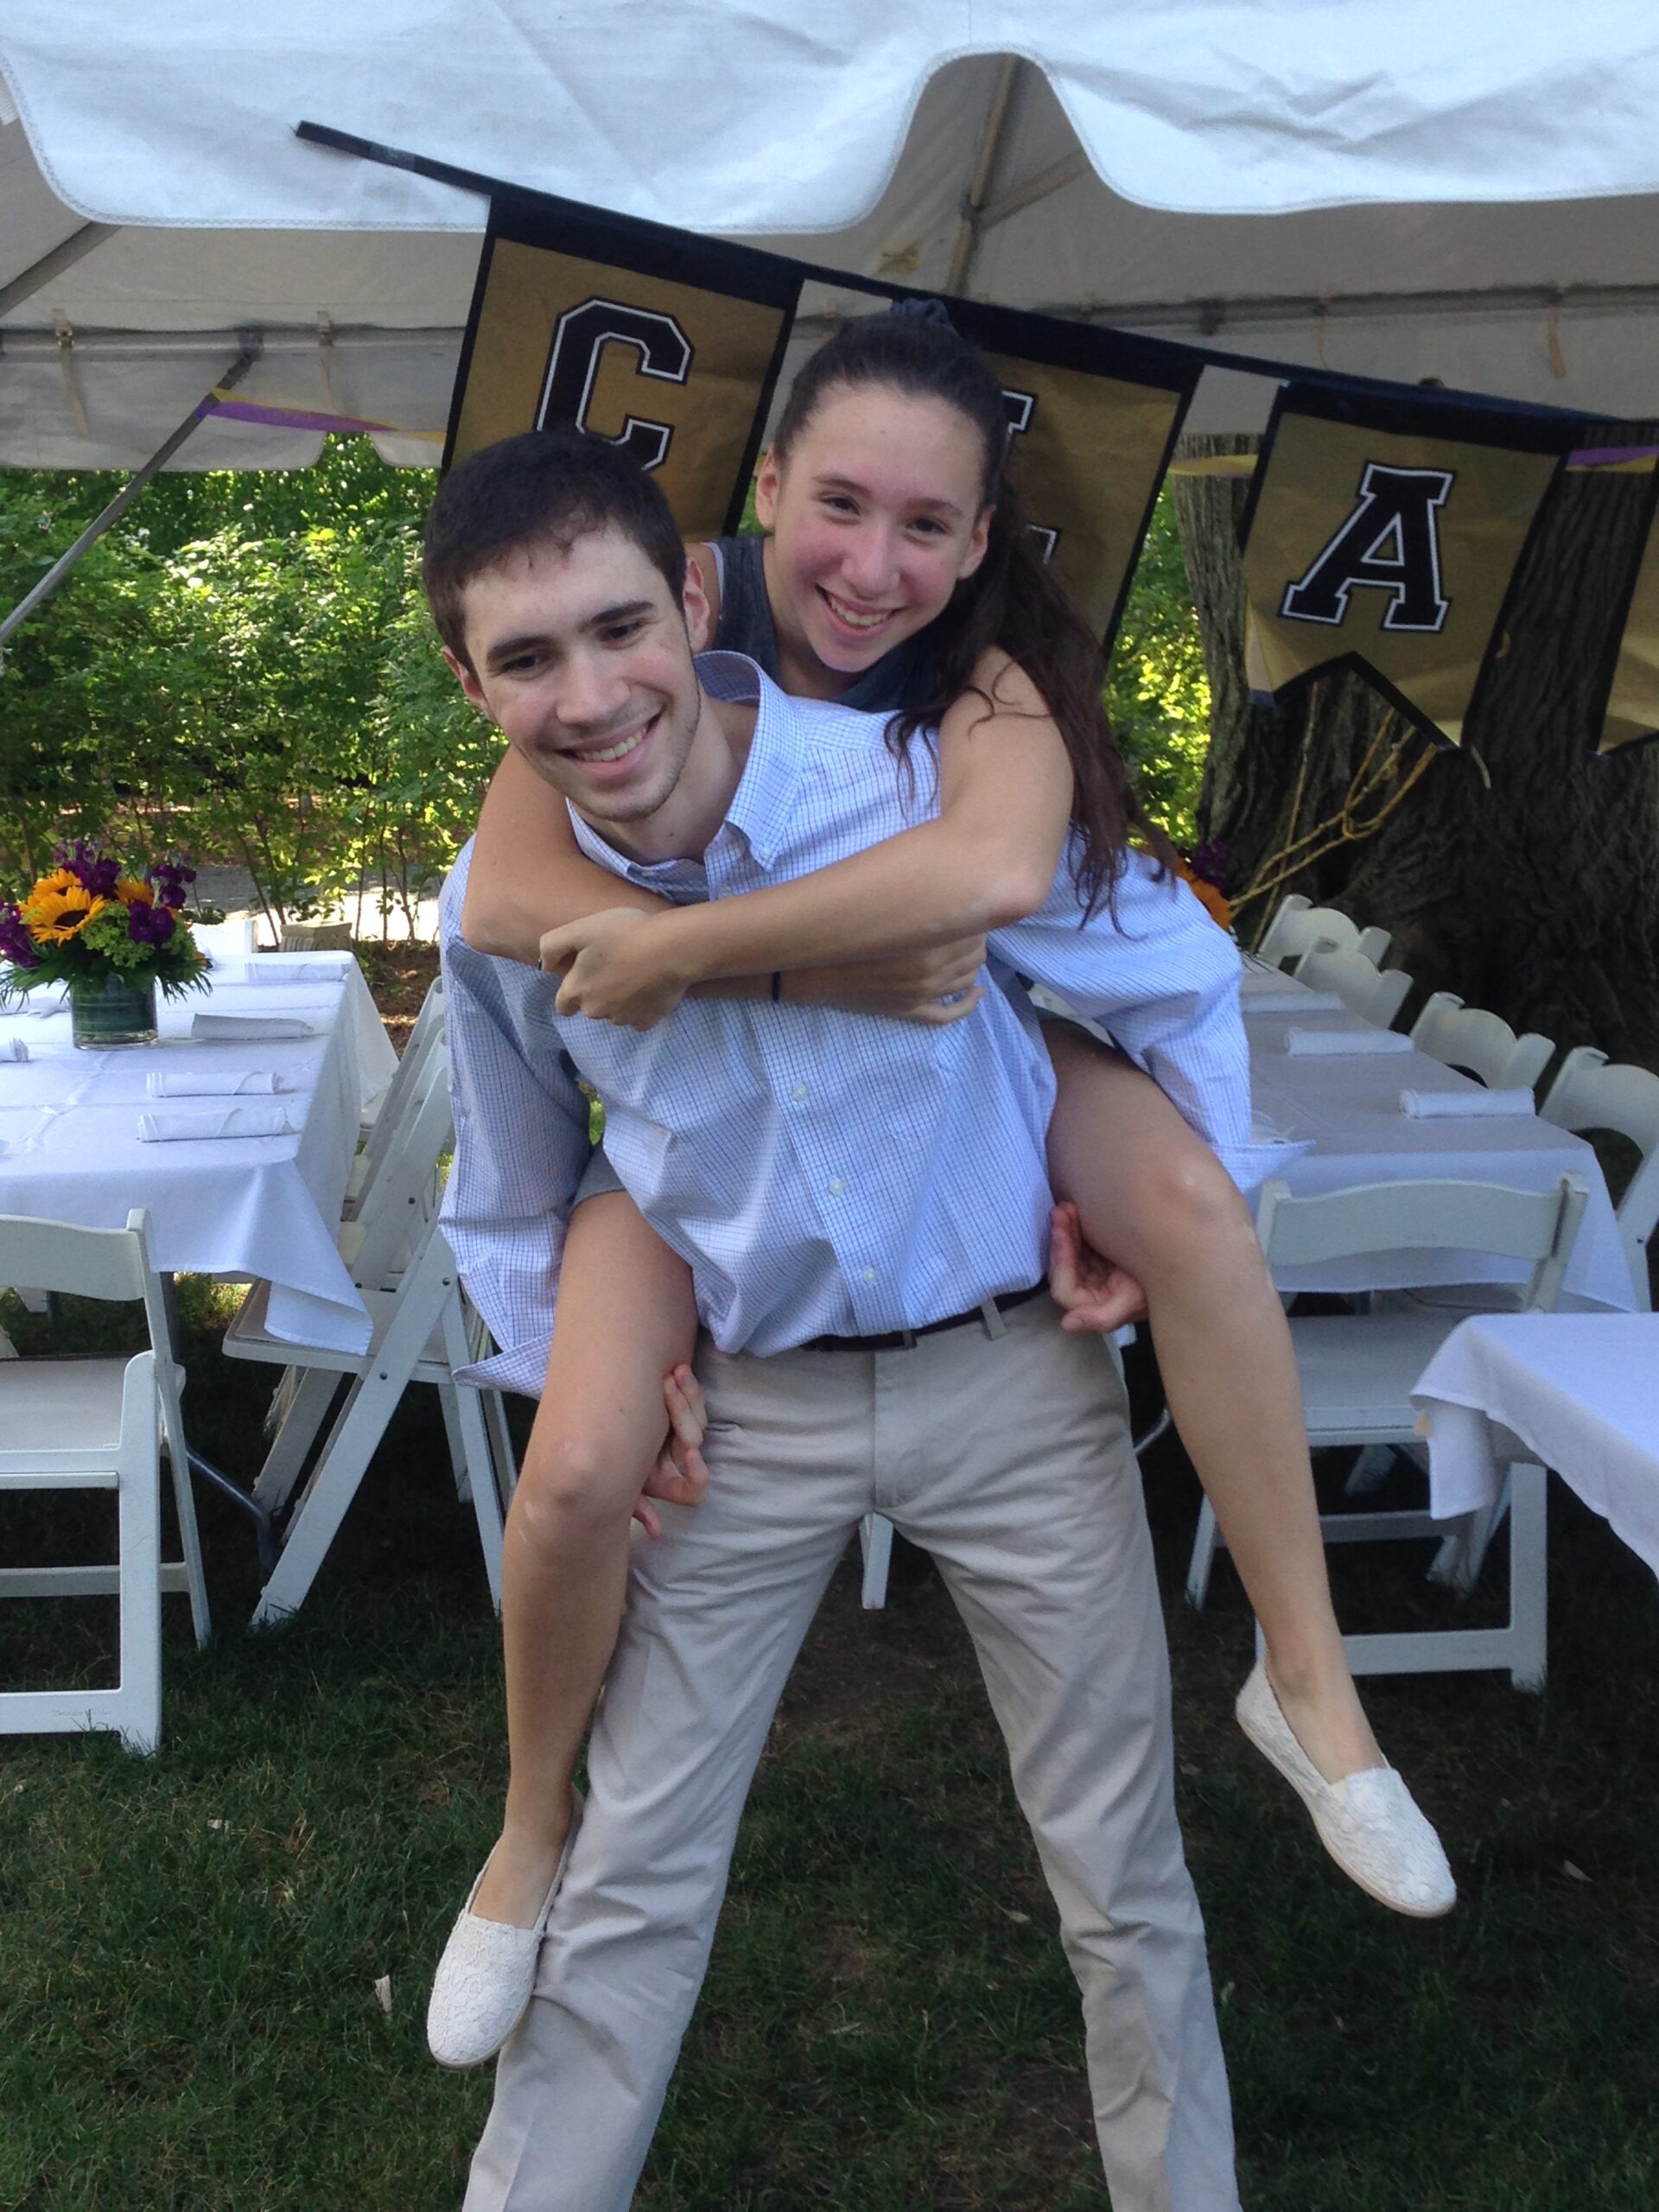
<point>546,488</point>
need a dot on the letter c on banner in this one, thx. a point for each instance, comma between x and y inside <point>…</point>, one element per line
<point>1021,406</point>
<point>579,337</point>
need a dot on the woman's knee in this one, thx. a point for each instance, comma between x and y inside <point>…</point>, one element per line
<point>576,1483</point>
<point>1182,1201</point>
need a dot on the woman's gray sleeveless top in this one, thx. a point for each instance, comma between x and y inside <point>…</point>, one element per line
<point>894,681</point>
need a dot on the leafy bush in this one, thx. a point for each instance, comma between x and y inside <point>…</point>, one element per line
<point>245,666</point>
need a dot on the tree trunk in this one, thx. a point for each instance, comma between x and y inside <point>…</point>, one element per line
<point>1520,872</point>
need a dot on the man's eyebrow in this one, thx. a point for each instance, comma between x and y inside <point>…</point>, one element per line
<point>829,482</point>
<point>625,610</point>
<point>506,649</point>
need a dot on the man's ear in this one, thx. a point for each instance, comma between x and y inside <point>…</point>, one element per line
<point>699,615</point>
<point>469,682</point>
<point>766,490</point>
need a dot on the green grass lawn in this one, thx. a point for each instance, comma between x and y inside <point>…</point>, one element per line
<point>189,1945</point>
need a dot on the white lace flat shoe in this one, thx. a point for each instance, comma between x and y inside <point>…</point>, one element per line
<point>486,1974</point>
<point>1367,1822</point>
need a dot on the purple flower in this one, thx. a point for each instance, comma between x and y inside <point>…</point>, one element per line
<point>168,879</point>
<point>95,871</point>
<point>1208,861</point>
<point>16,945</point>
<point>149,924</point>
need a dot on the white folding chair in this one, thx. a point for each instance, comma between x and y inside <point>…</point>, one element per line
<point>422,1331</point>
<point>1298,927</point>
<point>316,937</point>
<point>402,1099</point>
<point>1589,1094</point>
<point>100,1423</point>
<point>1358,1370</point>
<point>1481,1044</point>
<point>1376,995</point>
<point>225,940</point>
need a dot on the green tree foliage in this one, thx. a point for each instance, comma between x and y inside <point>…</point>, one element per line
<point>244,665</point>
<point>1157,692</point>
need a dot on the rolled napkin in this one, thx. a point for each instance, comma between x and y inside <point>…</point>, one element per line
<point>1333,1041</point>
<point>251,1025</point>
<point>210,1083</point>
<point>1289,998</point>
<point>226,1121</point>
<point>1443,1105</point>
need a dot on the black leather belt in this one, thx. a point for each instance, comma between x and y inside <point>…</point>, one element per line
<point>901,1339</point>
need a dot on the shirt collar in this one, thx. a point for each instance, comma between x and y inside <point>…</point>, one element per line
<point>762,803</point>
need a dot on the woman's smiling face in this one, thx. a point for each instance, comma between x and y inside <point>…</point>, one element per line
<point>876,514</point>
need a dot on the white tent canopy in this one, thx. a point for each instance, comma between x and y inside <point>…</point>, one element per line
<point>1393,186</point>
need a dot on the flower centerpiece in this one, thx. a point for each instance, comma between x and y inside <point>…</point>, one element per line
<point>1204,866</point>
<point>112,938</point>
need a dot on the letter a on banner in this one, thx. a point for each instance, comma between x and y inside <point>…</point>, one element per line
<point>1631,713</point>
<point>1384,536</point>
<point>665,344</point>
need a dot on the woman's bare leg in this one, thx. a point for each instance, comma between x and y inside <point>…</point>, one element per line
<point>626,1320</point>
<point>1153,1197</point>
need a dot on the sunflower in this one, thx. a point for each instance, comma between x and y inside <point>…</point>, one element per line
<point>131,893</point>
<point>54,916</point>
<point>61,879</point>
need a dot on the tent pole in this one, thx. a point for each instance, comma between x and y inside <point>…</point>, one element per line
<point>118,506</point>
<point>990,146</point>
<point>62,256</point>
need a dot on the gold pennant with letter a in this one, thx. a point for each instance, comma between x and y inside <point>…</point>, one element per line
<point>1384,537</point>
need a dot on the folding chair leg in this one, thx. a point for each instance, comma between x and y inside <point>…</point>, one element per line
<point>184,1502</point>
<point>477,1459</point>
<point>352,1443</point>
<point>1528,1574</point>
<point>875,1538</point>
<point>1204,1541</point>
<point>138,1507</point>
<point>453,1438</point>
<point>307,1409</point>
<point>506,1463</point>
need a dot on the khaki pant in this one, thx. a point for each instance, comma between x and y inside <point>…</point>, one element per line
<point>1008,1457</point>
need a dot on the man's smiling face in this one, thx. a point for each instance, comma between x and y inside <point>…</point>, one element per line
<point>582,659</point>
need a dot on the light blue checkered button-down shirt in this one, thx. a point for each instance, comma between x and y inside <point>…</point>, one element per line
<point>821,1172</point>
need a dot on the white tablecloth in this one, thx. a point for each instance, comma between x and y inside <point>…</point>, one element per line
<point>1581,1393</point>
<point>1344,1114</point>
<point>70,1149</point>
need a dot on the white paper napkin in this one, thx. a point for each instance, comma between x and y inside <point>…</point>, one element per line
<point>1303,1041</point>
<point>1289,998</point>
<point>251,1025</point>
<point>15,1050</point>
<point>225,1122</point>
<point>209,1082</point>
<point>1438,1105</point>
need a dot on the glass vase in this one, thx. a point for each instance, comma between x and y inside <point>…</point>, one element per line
<point>112,1009</point>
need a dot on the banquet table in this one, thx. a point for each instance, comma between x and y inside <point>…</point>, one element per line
<point>1339,1117</point>
<point>1576,1392</point>
<point>229,1205</point>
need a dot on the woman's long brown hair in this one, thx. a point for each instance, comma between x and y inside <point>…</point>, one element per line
<point>1012,600</point>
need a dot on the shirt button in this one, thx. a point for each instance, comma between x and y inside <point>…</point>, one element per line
<point>800,1094</point>
<point>869,1275</point>
<point>835,1186</point>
